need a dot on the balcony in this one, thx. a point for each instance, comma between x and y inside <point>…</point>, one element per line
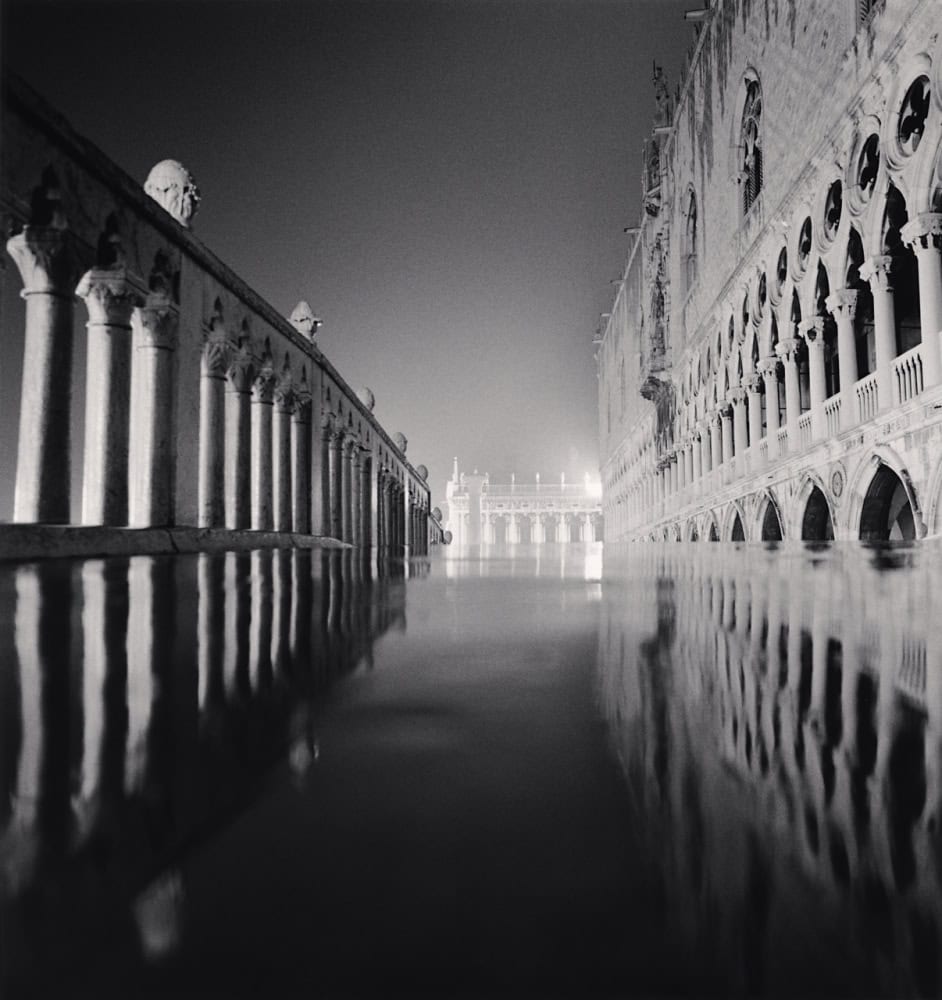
<point>832,416</point>
<point>867,398</point>
<point>907,375</point>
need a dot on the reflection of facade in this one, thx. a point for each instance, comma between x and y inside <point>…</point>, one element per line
<point>783,735</point>
<point>772,363</point>
<point>179,683</point>
<point>484,513</point>
<point>203,406</point>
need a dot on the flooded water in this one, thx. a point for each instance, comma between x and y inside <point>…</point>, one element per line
<point>545,771</point>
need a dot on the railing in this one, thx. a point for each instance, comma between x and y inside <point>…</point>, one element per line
<point>782,438</point>
<point>911,679</point>
<point>763,450</point>
<point>907,375</point>
<point>867,398</point>
<point>804,430</point>
<point>832,415</point>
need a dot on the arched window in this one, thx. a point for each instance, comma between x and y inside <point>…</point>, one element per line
<point>751,143</point>
<point>690,255</point>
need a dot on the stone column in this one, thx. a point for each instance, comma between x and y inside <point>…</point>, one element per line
<point>726,416</point>
<point>682,466</point>
<point>842,305</point>
<point>336,486</point>
<point>43,462</point>
<point>323,485</point>
<point>787,350</point>
<point>150,461</point>
<point>214,364</point>
<point>768,369</point>
<point>346,490</point>
<point>924,235</point>
<point>282,493</point>
<point>366,497</point>
<point>301,464</point>
<point>697,458</point>
<point>263,395</point>
<point>356,496</point>
<point>813,330</point>
<point>110,295</point>
<point>737,398</point>
<point>877,272</point>
<point>716,445</point>
<point>238,475</point>
<point>706,457</point>
<point>688,459</point>
<point>753,385</point>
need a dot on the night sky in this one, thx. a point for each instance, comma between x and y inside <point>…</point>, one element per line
<point>446,182</point>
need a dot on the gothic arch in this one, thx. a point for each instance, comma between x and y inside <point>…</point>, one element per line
<point>734,514</point>
<point>711,529</point>
<point>814,515</point>
<point>881,483</point>
<point>691,533</point>
<point>769,524</point>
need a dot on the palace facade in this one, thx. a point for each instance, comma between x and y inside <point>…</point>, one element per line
<point>771,367</point>
<point>480,512</point>
<point>204,408</point>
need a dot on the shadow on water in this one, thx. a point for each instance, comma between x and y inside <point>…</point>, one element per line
<point>142,701</point>
<point>781,732</point>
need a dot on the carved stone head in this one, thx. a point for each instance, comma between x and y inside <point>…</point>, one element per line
<point>169,183</point>
<point>366,397</point>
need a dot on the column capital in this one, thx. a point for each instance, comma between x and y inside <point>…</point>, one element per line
<point>111,295</point>
<point>263,387</point>
<point>812,330</point>
<point>736,396</point>
<point>786,349</point>
<point>302,406</point>
<point>752,382</point>
<point>768,368</point>
<point>725,411</point>
<point>842,303</point>
<point>241,370</point>
<point>284,394</point>
<point>923,232</point>
<point>155,323</point>
<point>215,359</point>
<point>877,271</point>
<point>46,260</point>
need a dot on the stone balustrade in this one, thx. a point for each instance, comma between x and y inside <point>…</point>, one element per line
<point>203,405</point>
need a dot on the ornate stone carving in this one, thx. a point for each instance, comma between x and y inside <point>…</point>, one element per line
<point>111,295</point>
<point>768,368</point>
<point>787,348</point>
<point>725,411</point>
<point>366,397</point>
<point>302,318</point>
<point>155,323</point>
<point>842,302</point>
<point>241,370</point>
<point>263,386</point>
<point>736,396</point>
<point>215,360</point>
<point>924,232</point>
<point>752,382</point>
<point>813,331</point>
<point>45,260</point>
<point>838,478</point>
<point>170,184</point>
<point>878,271</point>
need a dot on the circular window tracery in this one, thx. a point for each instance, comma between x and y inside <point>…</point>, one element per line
<point>833,209</point>
<point>913,115</point>
<point>804,246</point>
<point>781,275</point>
<point>868,165</point>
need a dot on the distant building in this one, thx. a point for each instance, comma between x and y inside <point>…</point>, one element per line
<point>480,512</point>
<point>771,366</point>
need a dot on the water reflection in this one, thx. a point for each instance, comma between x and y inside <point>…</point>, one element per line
<point>779,719</point>
<point>140,699</point>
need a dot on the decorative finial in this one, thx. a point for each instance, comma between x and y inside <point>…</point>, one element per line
<point>366,397</point>
<point>303,319</point>
<point>171,185</point>
<point>399,439</point>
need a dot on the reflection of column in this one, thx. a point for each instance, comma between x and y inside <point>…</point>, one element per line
<point>238,441</point>
<point>281,608</point>
<point>110,296</point>
<point>151,432</point>
<point>877,271</point>
<point>787,350</point>
<point>924,235</point>
<point>768,369</point>
<point>238,613</point>
<point>842,305</point>
<point>260,631</point>
<point>813,330</point>
<point>281,479</point>
<point>301,464</point>
<point>45,262</point>
<point>263,395</point>
<point>210,628</point>
<point>366,498</point>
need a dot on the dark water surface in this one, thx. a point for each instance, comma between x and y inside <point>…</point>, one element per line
<point>537,771</point>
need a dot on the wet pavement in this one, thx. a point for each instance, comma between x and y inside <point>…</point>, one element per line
<point>546,771</point>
